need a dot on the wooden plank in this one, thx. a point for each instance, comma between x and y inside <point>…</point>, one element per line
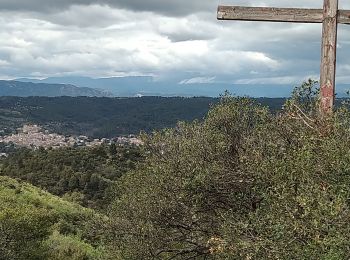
<point>328,56</point>
<point>344,16</point>
<point>270,14</point>
<point>273,14</point>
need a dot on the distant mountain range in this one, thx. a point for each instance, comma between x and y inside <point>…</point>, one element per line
<point>26,89</point>
<point>147,86</point>
<point>118,86</point>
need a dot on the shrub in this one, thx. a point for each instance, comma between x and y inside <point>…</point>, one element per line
<point>243,184</point>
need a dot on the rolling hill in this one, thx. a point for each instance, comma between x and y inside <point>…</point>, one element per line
<point>26,89</point>
<point>35,224</point>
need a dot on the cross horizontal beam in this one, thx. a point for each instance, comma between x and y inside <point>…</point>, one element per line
<point>272,14</point>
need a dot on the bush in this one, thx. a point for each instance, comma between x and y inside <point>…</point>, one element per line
<point>22,231</point>
<point>243,184</point>
<point>37,225</point>
<point>70,247</point>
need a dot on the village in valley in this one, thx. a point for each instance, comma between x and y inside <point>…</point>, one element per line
<point>34,136</point>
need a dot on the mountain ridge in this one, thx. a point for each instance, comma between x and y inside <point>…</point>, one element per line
<point>131,86</point>
<point>27,89</point>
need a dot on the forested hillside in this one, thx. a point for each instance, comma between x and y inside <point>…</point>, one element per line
<point>85,175</point>
<point>106,117</point>
<point>28,89</point>
<point>37,225</point>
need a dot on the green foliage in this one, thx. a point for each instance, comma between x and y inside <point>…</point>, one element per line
<point>37,225</point>
<point>243,184</point>
<point>306,97</point>
<point>62,247</point>
<point>110,117</point>
<point>22,231</point>
<point>84,175</point>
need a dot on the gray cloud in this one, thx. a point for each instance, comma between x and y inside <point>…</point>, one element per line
<point>165,38</point>
<point>168,7</point>
<point>39,5</point>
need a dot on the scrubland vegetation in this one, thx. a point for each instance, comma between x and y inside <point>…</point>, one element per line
<point>244,183</point>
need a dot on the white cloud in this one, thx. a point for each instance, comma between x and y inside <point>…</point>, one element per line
<point>271,80</point>
<point>198,80</point>
<point>4,63</point>
<point>98,38</point>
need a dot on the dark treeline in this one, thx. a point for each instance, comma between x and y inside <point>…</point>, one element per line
<point>106,117</point>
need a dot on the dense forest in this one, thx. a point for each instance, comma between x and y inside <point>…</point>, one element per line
<point>105,117</point>
<point>84,175</point>
<point>244,183</point>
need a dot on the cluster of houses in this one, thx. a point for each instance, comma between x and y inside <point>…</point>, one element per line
<point>34,136</point>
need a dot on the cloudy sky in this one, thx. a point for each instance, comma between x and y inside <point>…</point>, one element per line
<point>169,39</point>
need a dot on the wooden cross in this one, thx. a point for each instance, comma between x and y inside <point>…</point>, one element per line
<point>330,16</point>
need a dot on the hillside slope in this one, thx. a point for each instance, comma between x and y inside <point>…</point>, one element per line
<point>101,117</point>
<point>37,225</point>
<point>26,89</point>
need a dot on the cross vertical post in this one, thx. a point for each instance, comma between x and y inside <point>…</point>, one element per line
<point>329,16</point>
<point>328,56</point>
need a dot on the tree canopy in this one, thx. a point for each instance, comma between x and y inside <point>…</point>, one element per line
<point>243,184</point>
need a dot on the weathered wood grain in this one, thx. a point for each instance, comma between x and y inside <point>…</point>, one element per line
<point>328,55</point>
<point>344,16</point>
<point>272,14</point>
